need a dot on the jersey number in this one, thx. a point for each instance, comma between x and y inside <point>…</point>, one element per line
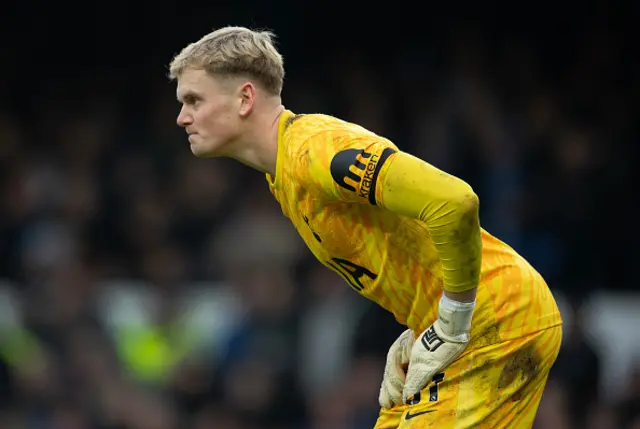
<point>351,272</point>
<point>433,390</point>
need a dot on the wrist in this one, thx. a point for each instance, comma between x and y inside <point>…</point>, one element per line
<point>454,318</point>
<point>467,295</point>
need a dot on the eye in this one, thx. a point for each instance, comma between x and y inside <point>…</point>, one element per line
<point>191,100</point>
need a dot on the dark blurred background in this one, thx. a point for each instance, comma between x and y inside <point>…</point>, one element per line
<point>141,288</point>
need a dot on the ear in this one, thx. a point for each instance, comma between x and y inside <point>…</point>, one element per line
<point>247,98</point>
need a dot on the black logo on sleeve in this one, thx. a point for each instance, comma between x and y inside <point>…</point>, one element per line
<point>357,171</point>
<point>341,168</point>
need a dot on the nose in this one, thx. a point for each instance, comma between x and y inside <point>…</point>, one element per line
<point>184,118</point>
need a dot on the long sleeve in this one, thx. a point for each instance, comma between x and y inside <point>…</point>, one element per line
<point>447,205</point>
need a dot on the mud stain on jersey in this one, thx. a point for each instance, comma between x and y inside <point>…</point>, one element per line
<point>521,368</point>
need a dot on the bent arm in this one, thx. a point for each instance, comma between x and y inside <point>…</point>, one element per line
<point>449,208</point>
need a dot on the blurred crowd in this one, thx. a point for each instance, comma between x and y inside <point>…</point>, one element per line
<point>141,288</point>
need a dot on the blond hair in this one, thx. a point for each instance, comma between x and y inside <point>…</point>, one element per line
<point>234,51</point>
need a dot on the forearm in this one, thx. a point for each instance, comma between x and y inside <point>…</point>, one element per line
<point>449,208</point>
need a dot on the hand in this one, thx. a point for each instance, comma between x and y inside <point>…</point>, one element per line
<point>394,371</point>
<point>439,345</point>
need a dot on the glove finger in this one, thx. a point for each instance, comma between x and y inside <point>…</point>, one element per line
<point>395,383</point>
<point>383,399</point>
<point>393,391</point>
<point>418,377</point>
<point>395,394</point>
<point>389,396</point>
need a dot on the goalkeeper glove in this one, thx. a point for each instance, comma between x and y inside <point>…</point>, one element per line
<point>439,345</point>
<point>394,371</point>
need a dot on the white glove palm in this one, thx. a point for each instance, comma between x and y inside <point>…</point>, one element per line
<point>439,345</point>
<point>394,371</point>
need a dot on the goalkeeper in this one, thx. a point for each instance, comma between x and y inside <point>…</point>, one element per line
<point>483,327</point>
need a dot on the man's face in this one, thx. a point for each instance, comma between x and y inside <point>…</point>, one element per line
<point>209,113</point>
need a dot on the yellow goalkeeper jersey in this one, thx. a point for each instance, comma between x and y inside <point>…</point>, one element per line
<point>382,220</point>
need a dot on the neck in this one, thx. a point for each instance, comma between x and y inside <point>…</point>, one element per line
<point>259,149</point>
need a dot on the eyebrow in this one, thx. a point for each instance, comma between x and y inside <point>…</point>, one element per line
<point>189,93</point>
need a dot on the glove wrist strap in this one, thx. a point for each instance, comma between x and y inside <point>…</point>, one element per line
<point>454,318</point>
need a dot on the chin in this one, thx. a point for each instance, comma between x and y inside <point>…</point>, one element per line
<point>201,150</point>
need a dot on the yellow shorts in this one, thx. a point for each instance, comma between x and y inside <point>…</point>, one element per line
<point>497,386</point>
